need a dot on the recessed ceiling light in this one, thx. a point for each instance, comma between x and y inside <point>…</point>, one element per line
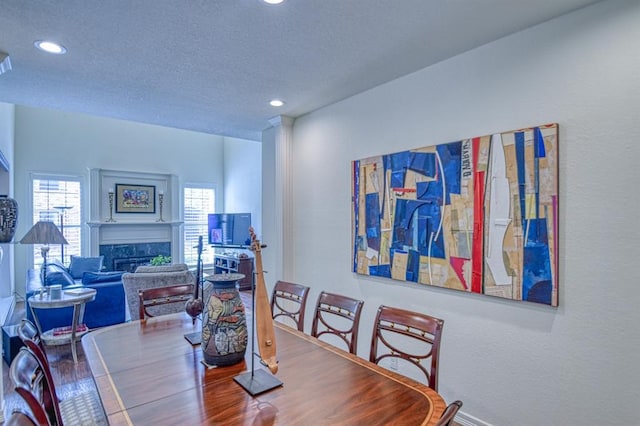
<point>50,47</point>
<point>273,1</point>
<point>276,102</point>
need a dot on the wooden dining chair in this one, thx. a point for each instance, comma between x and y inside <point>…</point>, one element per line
<point>409,336</point>
<point>30,337</point>
<point>337,315</point>
<point>33,381</point>
<point>289,300</point>
<point>150,298</point>
<point>449,414</point>
<point>30,383</point>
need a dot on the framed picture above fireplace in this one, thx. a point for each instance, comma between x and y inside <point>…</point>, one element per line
<point>135,198</point>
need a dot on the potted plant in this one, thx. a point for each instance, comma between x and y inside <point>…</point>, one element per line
<point>160,260</point>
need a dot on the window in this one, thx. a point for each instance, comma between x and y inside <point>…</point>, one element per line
<point>59,200</point>
<point>198,203</point>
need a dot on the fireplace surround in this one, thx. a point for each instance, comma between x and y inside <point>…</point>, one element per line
<point>126,257</point>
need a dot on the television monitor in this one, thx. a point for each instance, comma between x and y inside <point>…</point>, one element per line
<point>229,229</point>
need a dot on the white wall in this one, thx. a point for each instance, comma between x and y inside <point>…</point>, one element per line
<point>510,362</point>
<point>66,143</point>
<point>243,179</point>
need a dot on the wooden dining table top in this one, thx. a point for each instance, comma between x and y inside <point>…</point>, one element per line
<point>147,373</point>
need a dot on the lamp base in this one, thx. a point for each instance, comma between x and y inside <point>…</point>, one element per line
<point>44,250</point>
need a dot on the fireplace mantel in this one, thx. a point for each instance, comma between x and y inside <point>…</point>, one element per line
<point>133,223</point>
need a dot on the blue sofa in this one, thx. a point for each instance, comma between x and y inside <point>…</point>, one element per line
<point>108,308</point>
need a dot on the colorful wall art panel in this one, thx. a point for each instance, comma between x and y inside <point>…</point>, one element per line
<point>477,215</point>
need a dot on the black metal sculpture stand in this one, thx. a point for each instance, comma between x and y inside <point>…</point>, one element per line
<point>195,338</point>
<point>255,381</point>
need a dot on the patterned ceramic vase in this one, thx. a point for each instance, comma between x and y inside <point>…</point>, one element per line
<point>224,323</point>
<point>8,218</point>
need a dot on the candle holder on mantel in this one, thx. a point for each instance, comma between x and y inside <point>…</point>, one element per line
<point>111,219</point>
<point>161,202</point>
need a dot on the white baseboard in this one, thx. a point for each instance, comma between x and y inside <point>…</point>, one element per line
<point>466,419</point>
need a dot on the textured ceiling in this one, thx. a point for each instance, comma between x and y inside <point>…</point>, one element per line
<point>212,65</point>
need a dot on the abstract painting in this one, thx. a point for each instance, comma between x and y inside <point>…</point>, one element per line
<point>477,215</point>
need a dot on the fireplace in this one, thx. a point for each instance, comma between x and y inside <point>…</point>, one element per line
<point>127,257</point>
<point>129,264</point>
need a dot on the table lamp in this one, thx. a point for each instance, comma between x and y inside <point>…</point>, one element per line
<point>44,232</point>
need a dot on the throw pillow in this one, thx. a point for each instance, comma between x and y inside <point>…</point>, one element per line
<point>54,266</point>
<point>80,265</point>
<point>61,277</point>
<point>101,277</point>
<point>51,263</point>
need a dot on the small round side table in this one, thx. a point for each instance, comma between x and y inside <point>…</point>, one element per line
<point>77,298</point>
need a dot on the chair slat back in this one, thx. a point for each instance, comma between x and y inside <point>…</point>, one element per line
<point>158,296</point>
<point>289,300</point>
<point>413,325</point>
<point>326,321</point>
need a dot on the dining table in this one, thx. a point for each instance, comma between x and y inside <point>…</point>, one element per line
<point>147,373</point>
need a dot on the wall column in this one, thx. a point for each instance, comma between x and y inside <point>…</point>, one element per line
<point>277,199</point>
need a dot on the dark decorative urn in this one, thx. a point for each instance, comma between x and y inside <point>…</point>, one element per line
<point>224,323</point>
<point>8,218</point>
